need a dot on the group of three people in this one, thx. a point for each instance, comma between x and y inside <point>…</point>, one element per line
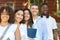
<point>18,21</point>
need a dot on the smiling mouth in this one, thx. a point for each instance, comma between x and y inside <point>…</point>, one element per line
<point>19,18</point>
<point>5,18</point>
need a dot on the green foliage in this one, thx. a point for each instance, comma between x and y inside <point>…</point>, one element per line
<point>58,30</point>
<point>36,1</point>
<point>59,4</point>
<point>58,13</point>
<point>59,1</point>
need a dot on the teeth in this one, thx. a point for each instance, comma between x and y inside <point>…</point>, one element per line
<point>5,17</point>
<point>19,18</point>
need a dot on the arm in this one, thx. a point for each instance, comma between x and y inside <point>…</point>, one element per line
<point>55,34</point>
<point>17,34</point>
<point>54,27</point>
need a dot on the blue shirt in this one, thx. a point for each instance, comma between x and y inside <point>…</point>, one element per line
<point>42,33</point>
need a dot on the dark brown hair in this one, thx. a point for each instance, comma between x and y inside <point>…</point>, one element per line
<point>9,10</point>
<point>33,4</point>
<point>44,4</point>
<point>16,10</point>
<point>30,21</point>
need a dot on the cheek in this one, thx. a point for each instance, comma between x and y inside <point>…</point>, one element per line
<point>16,17</point>
<point>8,17</point>
<point>27,17</point>
<point>32,10</point>
<point>21,17</point>
<point>1,16</point>
<point>42,10</point>
<point>4,18</point>
<point>36,11</point>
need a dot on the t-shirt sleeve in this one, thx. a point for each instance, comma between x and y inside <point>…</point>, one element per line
<point>54,24</point>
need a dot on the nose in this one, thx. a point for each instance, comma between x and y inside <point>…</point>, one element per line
<point>5,15</point>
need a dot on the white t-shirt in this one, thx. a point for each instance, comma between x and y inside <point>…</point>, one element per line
<point>51,24</point>
<point>23,32</point>
<point>10,33</point>
<point>36,27</point>
<point>37,19</point>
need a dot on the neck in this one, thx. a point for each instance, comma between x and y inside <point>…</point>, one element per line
<point>16,22</point>
<point>45,14</point>
<point>26,22</point>
<point>4,23</point>
<point>34,17</point>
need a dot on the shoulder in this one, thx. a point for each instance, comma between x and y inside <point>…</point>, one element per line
<point>38,17</point>
<point>23,25</point>
<point>51,18</point>
<point>14,26</point>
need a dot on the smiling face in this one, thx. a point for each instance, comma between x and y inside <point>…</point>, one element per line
<point>26,15</point>
<point>4,16</point>
<point>34,10</point>
<point>44,9</point>
<point>19,16</point>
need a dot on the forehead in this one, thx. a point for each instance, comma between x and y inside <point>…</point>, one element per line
<point>34,6</point>
<point>44,6</point>
<point>19,11</point>
<point>26,11</point>
<point>4,12</point>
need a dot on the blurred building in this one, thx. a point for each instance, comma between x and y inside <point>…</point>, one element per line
<point>14,3</point>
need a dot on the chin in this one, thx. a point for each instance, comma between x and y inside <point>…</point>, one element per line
<point>5,21</point>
